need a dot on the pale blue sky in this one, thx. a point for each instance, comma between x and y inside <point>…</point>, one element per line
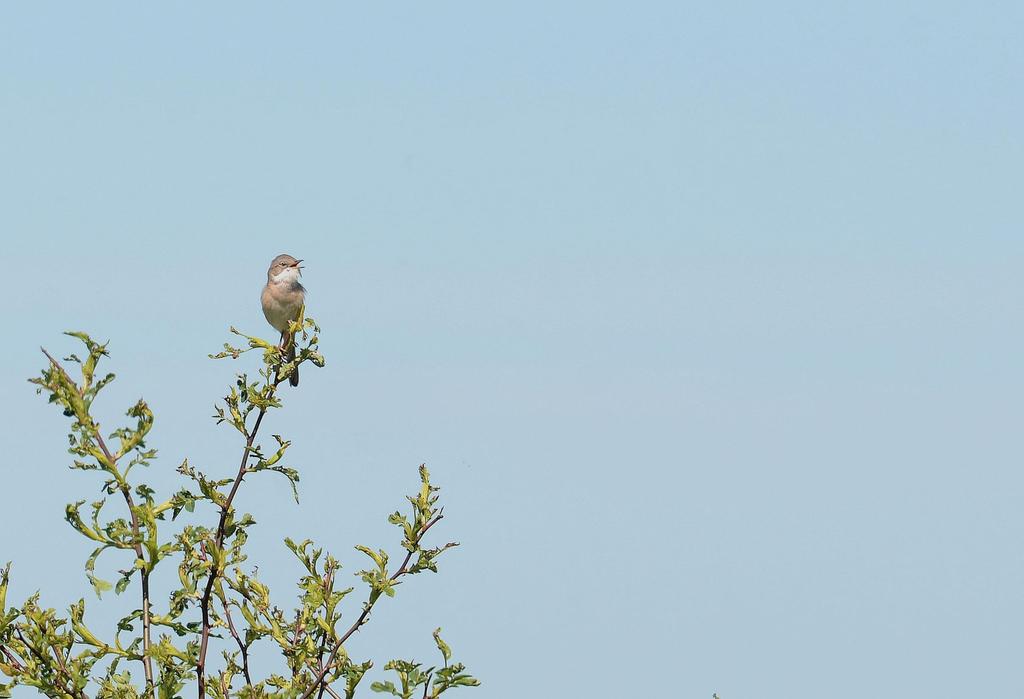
<point>705,316</point>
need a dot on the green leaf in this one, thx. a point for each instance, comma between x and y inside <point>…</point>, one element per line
<point>442,646</point>
<point>379,557</point>
<point>122,584</point>
<point>388,687</point>
<point>5,575</point>
<point>99,585</point>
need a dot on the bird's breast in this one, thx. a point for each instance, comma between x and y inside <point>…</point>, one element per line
<point>281,303</point>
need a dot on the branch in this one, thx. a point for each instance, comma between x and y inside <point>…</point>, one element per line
<point>147,662</point>
<point>328,586</point>
<point>143,572</point>
<point>45,660</point>
<point>402,570</point>
<point>325,687</point>
<point>219,541</point>
<point>408,556</point>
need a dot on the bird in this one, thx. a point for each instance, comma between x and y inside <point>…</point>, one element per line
<point>282,299</point>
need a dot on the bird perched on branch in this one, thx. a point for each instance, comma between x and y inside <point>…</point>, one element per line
<point>282,300</point>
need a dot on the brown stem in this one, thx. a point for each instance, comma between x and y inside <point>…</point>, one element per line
<point>12,659</point>
<point>59,657</point>
<point>147,661</point>
<point>326,687</point>
<point>402,570</point>
<point>214,573</point>
<point>323,685</point>
<point>241,646</point>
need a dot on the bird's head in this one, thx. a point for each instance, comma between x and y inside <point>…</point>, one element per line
<point>284,268</point>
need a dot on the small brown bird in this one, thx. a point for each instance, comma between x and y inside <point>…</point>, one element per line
<point>282,299</point>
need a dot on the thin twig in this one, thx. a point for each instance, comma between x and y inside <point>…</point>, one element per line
<point>402,570</point>
<point>12,659</point>
<point>299,628</point>
<point>241,646</point>
<point>60,659</point>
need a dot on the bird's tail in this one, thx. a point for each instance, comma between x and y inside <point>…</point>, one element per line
<point>290,356</point>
